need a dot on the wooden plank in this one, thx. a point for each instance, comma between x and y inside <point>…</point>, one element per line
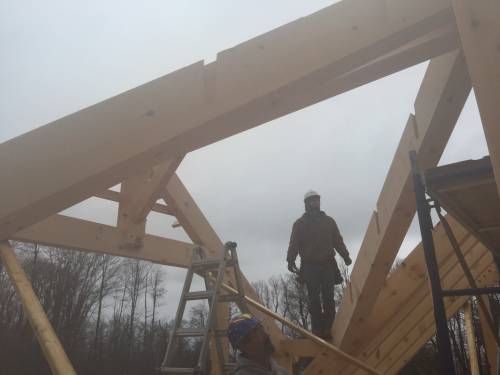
<point>397,342</point>
<point>414,331</point>
<point>67,232</point>
<point>403,319</point>
<point>471,339</point>
<point>437,107</point>
<point>51,346</point>
<point>489,342</point>
<point>137,197</point>
<point>304,332</point>
<point>427,331</point>
<point>300,348</point>
<point>201,232</point>
<point>114,196</point>
<point>200,104</point>
<point>479,29</point>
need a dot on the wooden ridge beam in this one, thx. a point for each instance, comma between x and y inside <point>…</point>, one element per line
<point>439,102</point>
<point>137,197</point>
<point>479,28</point>
<point>200,104</point>
<point>71,233</point>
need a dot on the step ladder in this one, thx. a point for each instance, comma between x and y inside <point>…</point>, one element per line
<point>212,270</point>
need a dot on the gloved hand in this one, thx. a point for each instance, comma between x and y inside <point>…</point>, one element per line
<point>348,261</point>
<point>292,267</point>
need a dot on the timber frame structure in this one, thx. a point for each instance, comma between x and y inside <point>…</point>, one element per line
<point>139,138</point>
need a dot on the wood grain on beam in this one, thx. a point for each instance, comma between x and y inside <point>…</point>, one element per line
<point>300,348</point>
<point>247,85</point>
<point>489,341</point>
<point>471,339</point>
<point>67,232</point>
<point>479,28</point>
<point>114,196</point>
<point>138,194</point>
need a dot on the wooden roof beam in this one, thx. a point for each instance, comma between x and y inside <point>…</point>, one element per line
<point>137,197</point>
<point>266,77</point>
<point>114,196</point>
<point>71,233</point>
<point>479,28</point>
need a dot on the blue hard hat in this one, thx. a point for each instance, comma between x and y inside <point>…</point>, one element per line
<point>239,326</point>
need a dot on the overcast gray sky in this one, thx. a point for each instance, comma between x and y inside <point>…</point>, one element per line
<point>60,56</point>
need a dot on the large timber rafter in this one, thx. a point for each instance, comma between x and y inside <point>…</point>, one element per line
<point>138,139</point>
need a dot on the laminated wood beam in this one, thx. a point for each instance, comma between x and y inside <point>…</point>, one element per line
<point>114,196</point>
<point>70,233</point>
<point>479,28</point>
<point>300,348</point>
<point>137,197</point>
<point>51,346</point>
<point>417,327</point>
<point>489,341</point>
<point>471,339</point>
<point>439,102</point>
<point>264,78</point>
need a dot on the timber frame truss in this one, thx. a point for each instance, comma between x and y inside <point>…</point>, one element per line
<point>139,138</point>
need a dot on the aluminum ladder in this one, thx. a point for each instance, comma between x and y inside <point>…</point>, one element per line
<point>212,270</point>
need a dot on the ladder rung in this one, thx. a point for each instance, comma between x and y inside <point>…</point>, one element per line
<point>187,332</point>
<point>202,294</point>
<point>177,370</point>
<point>210,264</point>
<point>193,332</point>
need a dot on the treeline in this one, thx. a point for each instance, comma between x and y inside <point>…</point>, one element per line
<point>109,314</point>
<point>104,309</point>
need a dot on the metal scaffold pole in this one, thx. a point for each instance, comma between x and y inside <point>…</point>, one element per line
<point>425,222</point>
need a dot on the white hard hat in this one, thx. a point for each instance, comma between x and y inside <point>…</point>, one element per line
<point>309,194</point>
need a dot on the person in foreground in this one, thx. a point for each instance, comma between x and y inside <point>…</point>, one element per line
<point>247,336</point>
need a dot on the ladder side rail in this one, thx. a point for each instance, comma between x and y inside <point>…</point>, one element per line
<point>178,317</point>
<point>210,320</point>
<point>216,338</point>
<point>239,283</point>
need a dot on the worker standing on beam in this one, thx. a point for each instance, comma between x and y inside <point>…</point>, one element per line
<point>315,237</point>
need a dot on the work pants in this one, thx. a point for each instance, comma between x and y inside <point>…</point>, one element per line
<point>320,284</point>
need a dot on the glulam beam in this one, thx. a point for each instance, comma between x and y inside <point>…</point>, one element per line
<point>71,233</point>
<point>252,83</point>
<point>479,28</point>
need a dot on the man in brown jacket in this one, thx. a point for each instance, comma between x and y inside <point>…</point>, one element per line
<point>315,237</point>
